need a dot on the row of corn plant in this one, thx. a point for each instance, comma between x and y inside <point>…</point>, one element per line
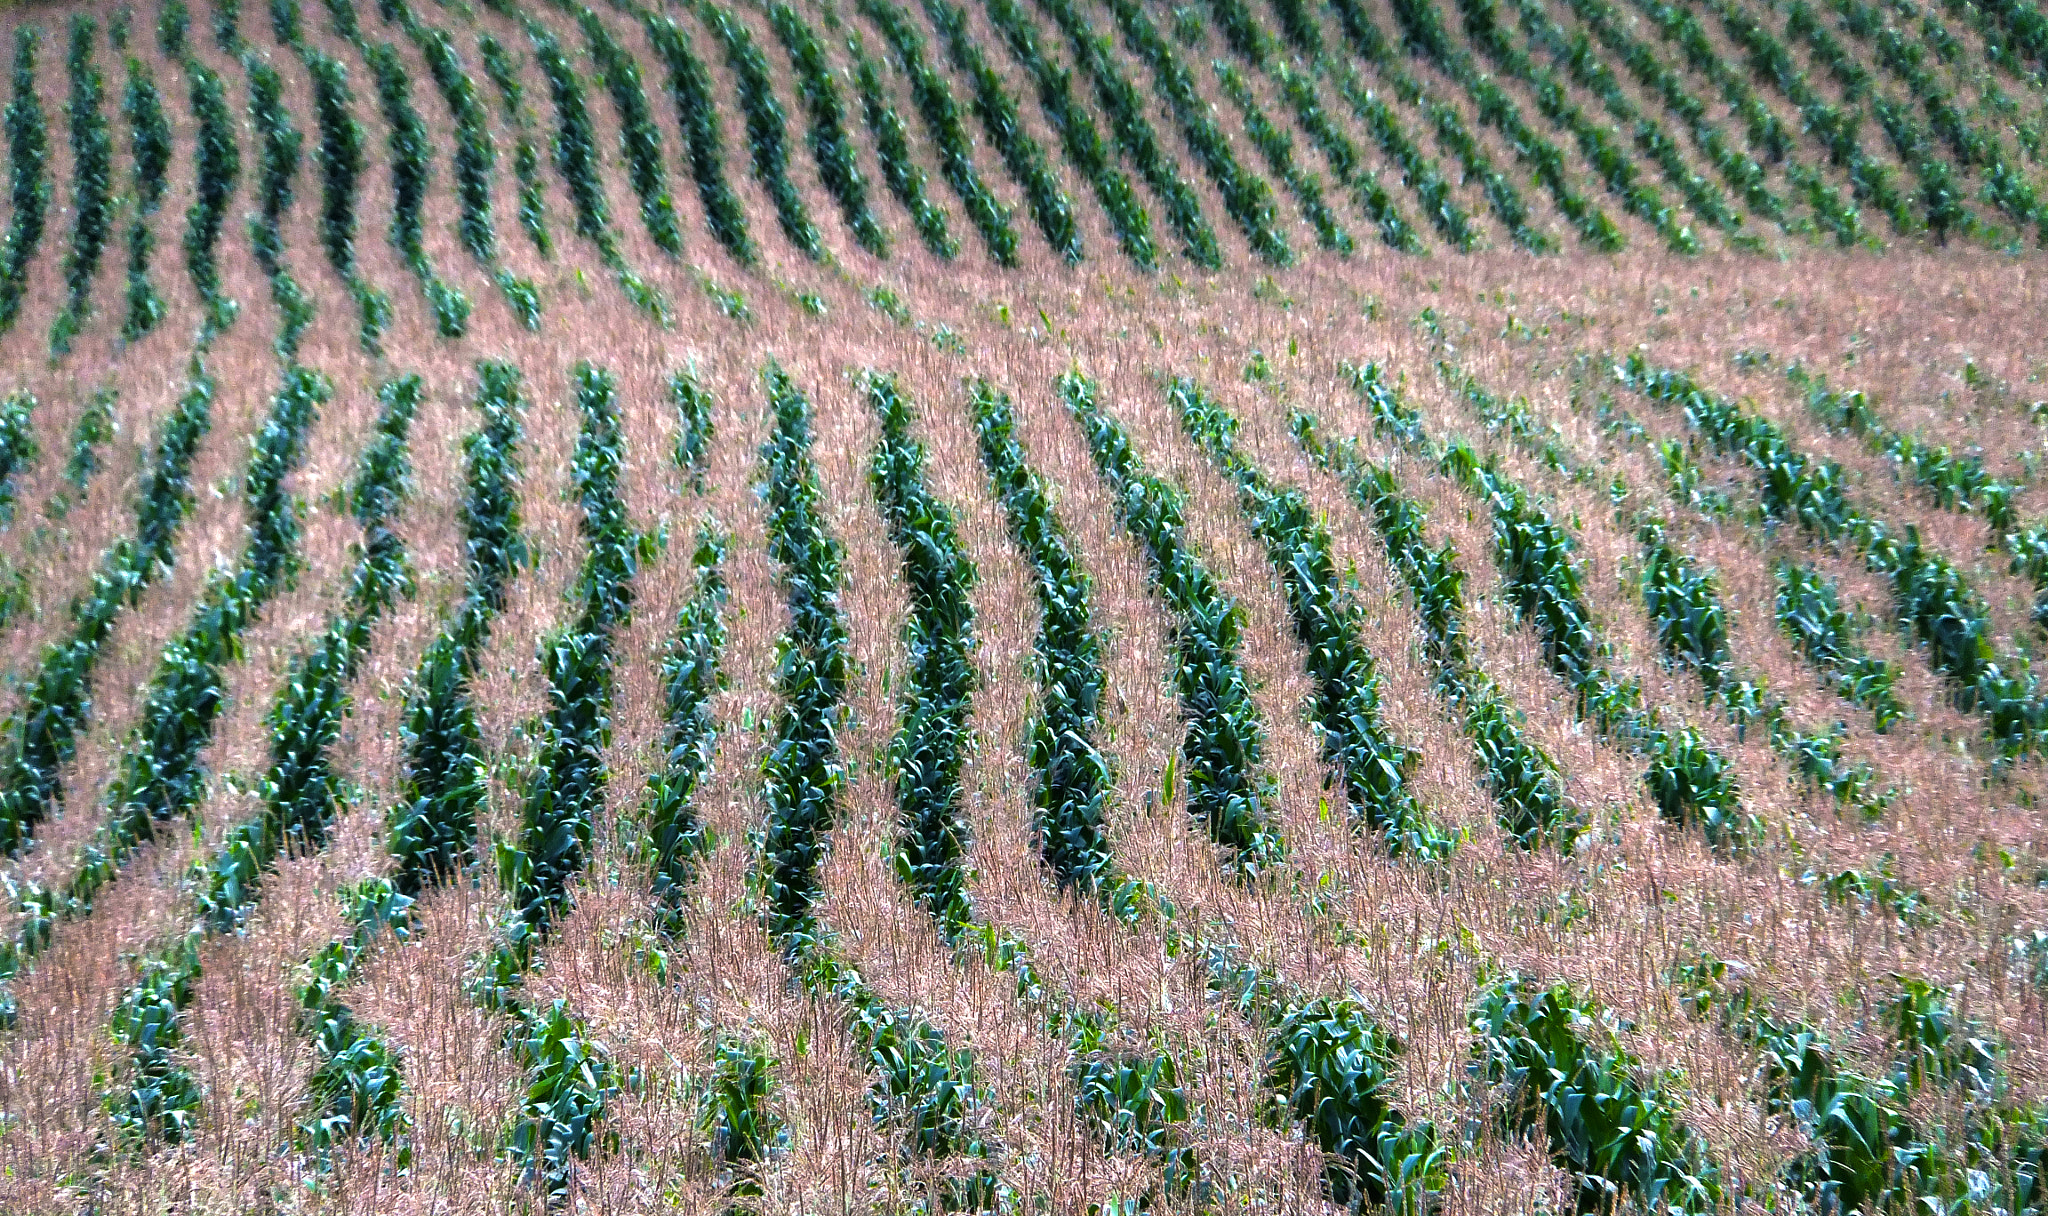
<point>562,797</point>
<point>18,446</point>
<point>1688,780</point>
<point>356,1089</point>
<point>1371,44</point>
<point>1080,138</point>
<point>904,176</point>
<point>1616,169</point>
<point>28,151</point>
<point>934,100</point>
<point>1834,127</point>
<point>341,160</point>
<point>217,172</point>
<point>278,156</point>
<point>1556,1062</point>
<point>926,1089</point>
<point>1523,778</point>
<point>1346,164</point>
<point>41,735</point>
<point>1742,174</point>
<point>476,159</point>
<point>1376,769</point>
<point>639,137</point>
<point>767,129</point>
<point>1278,149</point>
<point>1809,610</point>
<point>671,835</point>
<point>831,147</point>
<point>1426,38</point>
<point>689,89</point>
<point>155,1096</point>
<point>1228,789</point>
<point>1931,597</point>
<point>577,157</point>
<point>1130,1095</point>
<point>1135,137</point>
<point>88,439</point>
<point>501,65</point>
<point>1692,624</point>
<point>92,183</point>
<point>1880,1139</point>
<point>1577,58</point>
<point>161,773</point>
<point>411,173</point>
<point>1000,121</point>
<point>300,790</point>
<point>1245,194</point>
<point>149,143</point>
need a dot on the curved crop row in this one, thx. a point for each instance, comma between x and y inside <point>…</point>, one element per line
<point>1278,149</point>
<point>920,1085</point>
<point>1074,778</point>
<point>92,183</point>
<point>149,142</point>
<point>639,138</point>
<point>341,159</point>
<point>1224,744</point>
<point>830,146</point>
<point>1021,154</point>
<point>767,130</point>
<point>1371,44</point>
<point>1245,194</point>
<point>1523,778</point>
<point>904,176</point>
<point>1371,197</point>
<point>1126,110</point>
<point>411,172</point>
<point>934,100</point>
<point>1929,593</point>
<point>28,150</point>
<point>689,88</point>
<point>160,1098</point>
<point>279,143</point>
<point>1425,36</point>
<point>1079,136</point>
<point>161,774</point>
<point>503,70</point>
<point>576,156</point>
<point>1688,780</point>
<point>1376,769</point>
<point>41,736</point>
<point>217,171</point>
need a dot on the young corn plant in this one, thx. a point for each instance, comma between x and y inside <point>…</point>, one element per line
<point>278,165</point>
<point>18,447</point>
<point>639,138</point>
<point>28,152</point>
<point>503,69</point>
<point>671,834</point>
<point>1134,134</point>
<point>217,172</point>
<point>411,175</point>
<point>904,176</point>
<point>89,435</point>
<point>934,100</point>
<point>830,145</point>
<point>92,184</point>
<point>149,143</point>
<point>1811,614</point>
<point>1278,149</point>
<point>1375,768</point>
<point>1003,125</point>
<point>689,88</point>
<point>340,158</point>
<point>1229,792</point>
<point>1373,199</point>
<point>767,129</point>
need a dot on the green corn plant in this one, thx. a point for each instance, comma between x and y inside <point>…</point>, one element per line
<point>357,1088</point>
<point>1000,121</point>
<point>1553,1054</point>
<point>340,158</point>
<point>277,166</point>
<point>689,88</point>
<point>217,172</point>
<point>18,447</point>
<point>737,1112</point>
<point>695,425</point>
<point>411,174</point>
<point>149,133</point>
<point>934,100</point>
<point>503,70</point>
<point>904,176</point>
<point>672,835</point>
<point>1299,90</point>
<point>1135,136</point>
<point>1229,791</point>
<point>1810,613</point>
<point>155,1098</point>
<point>767,129</point>
<point>1082,141</point>
<point>1951,482</point>
<point>1073,785</point>
<point>89,435</point>
<point>639,138</point>
<point>28,151</point>
<point>1245,194</point>
<point>1278,149</point>
<point>830,145</point>
<point>92,184</point>
<point>1376,769</point>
